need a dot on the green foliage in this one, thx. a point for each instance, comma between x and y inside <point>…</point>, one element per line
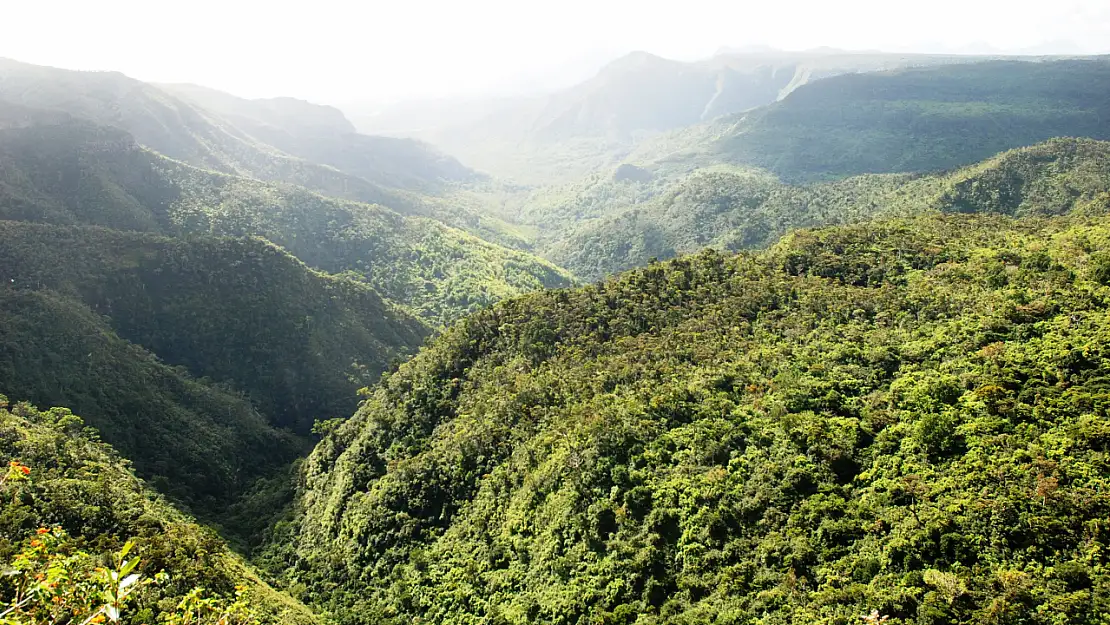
<point>602,227</point>
<point>76,173</point>
<point>54,587</point>
<point>899,421</point>
<point>89,543</point>
<point>920,119</point>
<point>195,441</point>
<point>239,311</point>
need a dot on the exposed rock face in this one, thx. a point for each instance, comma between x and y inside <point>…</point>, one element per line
<point>631,173</point>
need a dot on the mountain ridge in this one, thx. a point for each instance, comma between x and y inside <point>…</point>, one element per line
<point>80,173</point>
<point>734,210</point>
<point>825,430</point>
<point>601,119</point>
<point>176,128</point>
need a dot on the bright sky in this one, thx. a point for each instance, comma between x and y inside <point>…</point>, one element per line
<point>337,51</point>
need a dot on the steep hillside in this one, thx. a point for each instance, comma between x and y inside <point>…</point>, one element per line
<point>242,312</point>
<point>78,495</point>
<point>195,441</point>
<point>902,419</point>
<point>291,115</point>
<point>1054,178</point>
<point>566,134</point>
<point>609,225</point>
<point>322,134</point>
<point>78,173</point>
<point>916,120</point>
<point>181,130</point>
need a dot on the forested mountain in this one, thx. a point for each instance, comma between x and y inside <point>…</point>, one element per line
<point>907,120</point>
<point>205,361</point>
<point>743,180</point>
<point>608,225</point>
<point>74,172</point>
<point>197,442</point>
<point>242,312</point>
<point>560,136</point>
<point>71,503</point>
<point>905,417</point>
<point>889,405</point>
<point>322,134</point>
<point>382,170</point>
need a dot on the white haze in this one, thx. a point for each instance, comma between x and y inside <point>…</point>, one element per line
<point>331,51</point>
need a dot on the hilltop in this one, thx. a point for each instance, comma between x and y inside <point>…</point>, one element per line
<point>610,225</point>
<point>906,120</point>
<point>899,417</point>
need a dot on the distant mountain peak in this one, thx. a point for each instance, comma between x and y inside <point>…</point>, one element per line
<point>636,60</point>
<point>282,112</point>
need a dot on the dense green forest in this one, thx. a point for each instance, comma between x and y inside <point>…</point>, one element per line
<point>906,417</point>
<point>79,173</point>
<point>65,488</point>
<point>867,382</point>
<point>907,120</point>
<point>243,312</point>
<point>608,225</point>
<point>198,442</point>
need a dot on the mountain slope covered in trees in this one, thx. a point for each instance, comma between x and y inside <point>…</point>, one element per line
<point>907,120</point>
<point>901,415</point>
<point>905,416</point>
<point>197,442</point>
<point>74,172</point>
<point>78,495</point>
<point>322,134</point>
<point>742,180</point>
<point>242,312</point>
<point>610,225</point>
<point>183,130</point>
<point>568,133</point>
<point>204,361</point>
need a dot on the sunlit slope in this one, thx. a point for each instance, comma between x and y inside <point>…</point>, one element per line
<point>899,416</point>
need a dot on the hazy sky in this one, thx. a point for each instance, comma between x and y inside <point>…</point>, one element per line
<point>331,51</point>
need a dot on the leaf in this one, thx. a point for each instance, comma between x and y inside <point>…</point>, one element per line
<point>126,549</point>
<point>128,581</point>
<point>128,566</point>
<point>112,612</point>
